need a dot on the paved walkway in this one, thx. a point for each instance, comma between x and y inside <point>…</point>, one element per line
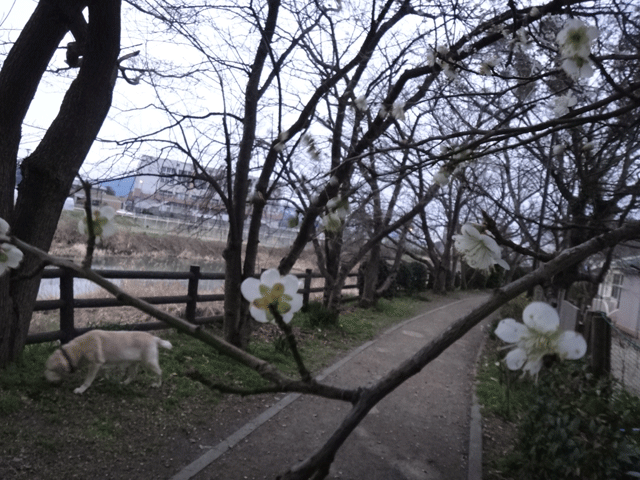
<point>419,432</point>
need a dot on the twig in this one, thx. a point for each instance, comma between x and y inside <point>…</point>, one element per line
<point>291,339</point>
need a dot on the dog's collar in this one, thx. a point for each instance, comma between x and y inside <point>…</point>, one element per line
<point>68,359</point>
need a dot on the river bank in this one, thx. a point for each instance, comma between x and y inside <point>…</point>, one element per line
<point>128,243</point>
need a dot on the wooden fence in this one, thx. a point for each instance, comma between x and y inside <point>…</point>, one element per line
<point>67,303</point>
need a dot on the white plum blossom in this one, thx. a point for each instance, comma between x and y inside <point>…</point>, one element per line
<point>10,255</point>
<point>338,209</point>
<point>397,111</point>
<point>538,336</point>
<point>431,59</point>
<point>563,103</point>
<point>331,222</point>
<point>449,71</point>
<point>523,39</point>
<point>4,227</point>
<point>486,67</point>
<point>442,177</point>
<point>575,41</point>
<point>361,103</point>
<point>479,251</point>
<point>272,289</point>
<point>578,67</point>
<point>284,136</point>
<point>102,224</point>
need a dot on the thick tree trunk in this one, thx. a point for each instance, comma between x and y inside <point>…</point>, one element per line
<point>48,173</point>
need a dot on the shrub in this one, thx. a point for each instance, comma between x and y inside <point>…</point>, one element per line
<point>317,316</point>
<point>412,277</point>
<point>577,428</point>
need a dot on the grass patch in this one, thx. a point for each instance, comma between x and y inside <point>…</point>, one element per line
<point>42,424</point>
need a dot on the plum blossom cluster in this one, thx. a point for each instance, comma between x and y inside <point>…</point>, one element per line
<point>479,251</point>
<point>10,255</point>
<point>337,211</point>
<point>102,222</point>
<point>538,336</point>
<point>575,41</point>
<point>272,290</point>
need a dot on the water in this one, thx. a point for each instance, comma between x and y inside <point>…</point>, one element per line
<point>50,287</point>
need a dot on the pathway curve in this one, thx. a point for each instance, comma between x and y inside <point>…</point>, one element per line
<point>419,432</point>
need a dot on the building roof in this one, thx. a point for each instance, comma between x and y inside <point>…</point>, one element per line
<point>122,187</point>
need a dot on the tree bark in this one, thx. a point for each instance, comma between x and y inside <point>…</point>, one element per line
<point>49,171</point>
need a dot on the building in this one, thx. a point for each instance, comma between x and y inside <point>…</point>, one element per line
<point>168,188</point>
<point>619,294</point>
<point>100,196</point>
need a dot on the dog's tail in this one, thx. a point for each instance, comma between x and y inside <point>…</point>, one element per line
<point>164,343</point>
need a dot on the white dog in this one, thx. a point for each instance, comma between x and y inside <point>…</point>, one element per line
<point>101,347</point>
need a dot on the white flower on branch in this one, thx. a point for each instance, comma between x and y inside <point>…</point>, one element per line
<point>102,224</point>
<point>361,103</point>
<point>563,103</point>
<point>575,39</point>
<point>578,67</point>
<point>538,336</point>
<point>442,177</point>
<point>449,71</point>
<point>338,210</point>
<point>10,255</point>
<point>478,250</point>
<point>398,111</point>
<point>272,290</point>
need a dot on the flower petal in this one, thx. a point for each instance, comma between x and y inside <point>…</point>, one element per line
<point>258,314</point>
<point>107,212</point>
<point>250,289</point>
<point>4,227</point>
<point>533,366</point>
<point>516,358</point>
<point>571,345</point>
<point>290,283</point>
<point>510,331</point>
<point>541,316</point>
<point>503,264</point>
<point>270,277</point>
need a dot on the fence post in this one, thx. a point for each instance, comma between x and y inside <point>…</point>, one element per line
<point>600,343</point>
<point>67,327</point>
<point>192,292</point>
<point>307,287</point>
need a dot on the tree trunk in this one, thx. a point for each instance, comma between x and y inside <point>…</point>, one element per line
<point>49,171</point>
<point>369,297</point>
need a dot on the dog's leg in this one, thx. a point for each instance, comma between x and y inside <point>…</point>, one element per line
<point>154,367</point>
<point>91,375</point>
<point>132,370</point>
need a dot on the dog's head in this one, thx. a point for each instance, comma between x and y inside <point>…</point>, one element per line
<point>56,367</point>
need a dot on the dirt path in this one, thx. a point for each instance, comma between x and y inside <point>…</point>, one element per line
<point>419,432</point>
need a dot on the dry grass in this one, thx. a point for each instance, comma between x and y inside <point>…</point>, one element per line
<point>47,321</point>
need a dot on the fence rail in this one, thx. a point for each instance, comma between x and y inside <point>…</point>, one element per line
<point>67,303</point>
